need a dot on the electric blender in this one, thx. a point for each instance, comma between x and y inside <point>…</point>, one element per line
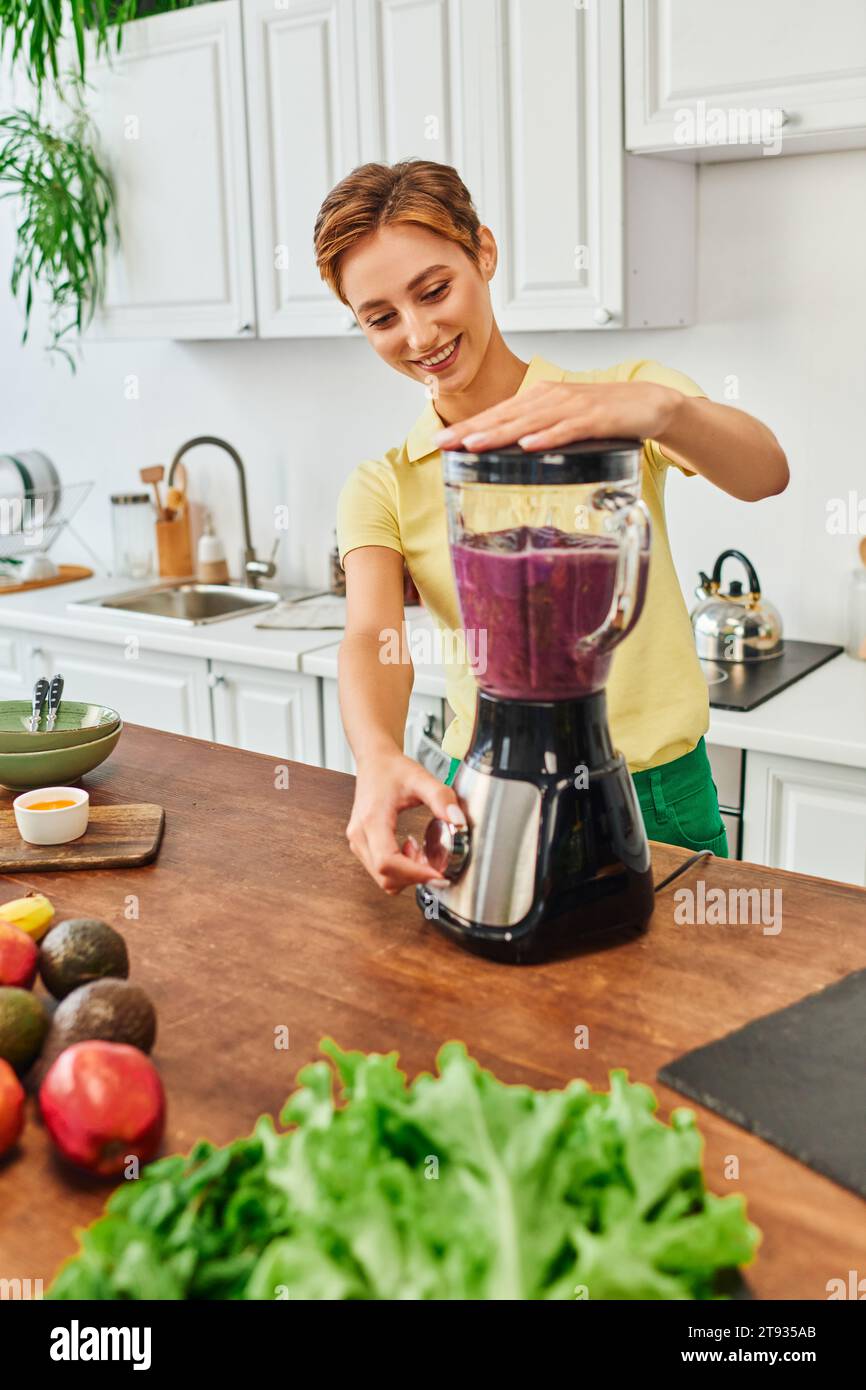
<point>550,553</point>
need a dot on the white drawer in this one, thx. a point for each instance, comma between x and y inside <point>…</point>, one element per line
<point>727,766</point>
<point>15,681</point>
<point>733,825</point>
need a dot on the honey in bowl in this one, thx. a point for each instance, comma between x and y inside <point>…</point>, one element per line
<point>48,805</point>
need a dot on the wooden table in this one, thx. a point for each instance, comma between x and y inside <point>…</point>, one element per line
<point>256,915</point>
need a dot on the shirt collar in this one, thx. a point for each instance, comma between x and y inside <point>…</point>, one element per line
<point>419,441</point>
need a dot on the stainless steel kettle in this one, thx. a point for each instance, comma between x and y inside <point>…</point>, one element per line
<point>733,625</point>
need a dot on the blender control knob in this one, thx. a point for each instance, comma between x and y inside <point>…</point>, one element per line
<point>602,315</point>
<point>446,847</point>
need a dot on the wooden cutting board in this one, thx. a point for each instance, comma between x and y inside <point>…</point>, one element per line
<point>116,837</point>
<point>66,575</point>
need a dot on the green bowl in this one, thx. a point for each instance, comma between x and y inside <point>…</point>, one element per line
<point>58,766</point>
<point>77,723</point>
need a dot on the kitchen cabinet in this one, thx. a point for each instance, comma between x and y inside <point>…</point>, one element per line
<point>806,815</point>
<point>302,108</point>
<point>273,712</point>
<point>160,689</point>
<point>588,237</point>
<point>691,65</point>
<point>346,73</point>
<point>169,111</point>
<point>407,106</point>
<point>262,710</point>
<point>226,124</point>
<point>426,714</point>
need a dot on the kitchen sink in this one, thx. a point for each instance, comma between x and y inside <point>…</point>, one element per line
<point>186,602</point>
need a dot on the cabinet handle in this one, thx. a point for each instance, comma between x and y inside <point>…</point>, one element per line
<point>352,324</point>
<point>782,117</point>
<point>245,328</point>
<point>602,315</point>
<point>37,651</point>
<point>214,680</point>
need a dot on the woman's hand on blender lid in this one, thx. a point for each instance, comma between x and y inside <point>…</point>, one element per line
<point>556,412</point>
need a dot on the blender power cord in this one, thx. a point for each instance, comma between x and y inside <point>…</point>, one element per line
<point>693,859</point>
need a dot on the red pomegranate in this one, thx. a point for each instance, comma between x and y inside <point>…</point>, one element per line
<point>103,1103</point>
<point>19,956</point>
<point>11,1107</point>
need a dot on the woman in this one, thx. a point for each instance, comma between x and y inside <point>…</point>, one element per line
<point>402,246</point>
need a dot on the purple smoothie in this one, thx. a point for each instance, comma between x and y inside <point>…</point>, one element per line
<point>536,591</point>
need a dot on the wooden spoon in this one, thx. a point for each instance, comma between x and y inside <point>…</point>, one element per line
<point>180,477</point>
<point>155,476</point>
<point>175,499</point>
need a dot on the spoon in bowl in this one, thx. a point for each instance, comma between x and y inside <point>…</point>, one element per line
<point>54,694</point>
<point>40,694</point>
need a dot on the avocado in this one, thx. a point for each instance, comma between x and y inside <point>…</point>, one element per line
<point>80,950</point>
<point>23,1026</point>
<point>109,1010</point>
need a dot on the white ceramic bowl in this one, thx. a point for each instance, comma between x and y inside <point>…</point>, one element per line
<point>52,827</point>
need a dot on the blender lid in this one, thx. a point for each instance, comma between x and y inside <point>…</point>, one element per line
<point>583,461</point>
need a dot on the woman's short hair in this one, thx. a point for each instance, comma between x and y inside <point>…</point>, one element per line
<point>417,191</point>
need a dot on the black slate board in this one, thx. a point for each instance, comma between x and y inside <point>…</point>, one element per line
<point>796,1078</point>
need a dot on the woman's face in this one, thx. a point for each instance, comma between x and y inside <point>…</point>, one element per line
<point>416,293</point>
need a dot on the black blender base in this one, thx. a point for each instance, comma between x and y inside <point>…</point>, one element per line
<point>620,912</point>
<point>592,875</point>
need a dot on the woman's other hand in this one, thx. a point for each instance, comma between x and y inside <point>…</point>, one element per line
<point>387,784</point>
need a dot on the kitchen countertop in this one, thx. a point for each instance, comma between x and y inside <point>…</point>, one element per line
<point>232,639</point>
<point>822,716</point>
<point>255,914</point>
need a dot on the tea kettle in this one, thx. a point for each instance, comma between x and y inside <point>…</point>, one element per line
<point>730,625</point>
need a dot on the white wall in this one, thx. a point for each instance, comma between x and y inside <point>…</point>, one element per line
<point>782,307</point>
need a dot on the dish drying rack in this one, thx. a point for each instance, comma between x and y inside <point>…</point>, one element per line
<point>44,513</point>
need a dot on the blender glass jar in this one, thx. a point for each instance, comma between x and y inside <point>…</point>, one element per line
<point>549,551</point>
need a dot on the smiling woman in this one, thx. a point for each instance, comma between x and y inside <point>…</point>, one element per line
<point>403,247</point>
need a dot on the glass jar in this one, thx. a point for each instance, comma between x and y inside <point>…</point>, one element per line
<point>857,615</point>
<point>132,527</point>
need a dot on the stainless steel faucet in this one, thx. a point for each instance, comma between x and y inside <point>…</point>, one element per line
<point>254,568</point>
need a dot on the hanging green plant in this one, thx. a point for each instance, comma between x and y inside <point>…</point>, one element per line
<point>68,210</point>
<point>67,214</point>
<point>35,30</point>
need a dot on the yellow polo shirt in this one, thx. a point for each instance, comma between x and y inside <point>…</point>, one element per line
<point>658,702</point>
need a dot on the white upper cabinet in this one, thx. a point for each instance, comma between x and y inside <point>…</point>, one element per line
<point>588,238</point>
<point>170,113</point>
<point>734,79</point>
<point>302,107</point>
<point>225,126</point>
<point>411,71</point>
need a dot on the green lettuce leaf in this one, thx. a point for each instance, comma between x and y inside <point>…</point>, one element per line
<point>455,1186</point>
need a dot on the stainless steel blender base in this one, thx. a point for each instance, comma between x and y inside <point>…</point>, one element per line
<point>497,884</point>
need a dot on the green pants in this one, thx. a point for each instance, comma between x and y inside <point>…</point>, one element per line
<point>678,801</point>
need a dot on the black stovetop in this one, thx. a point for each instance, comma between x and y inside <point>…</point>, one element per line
<point>745,685</point>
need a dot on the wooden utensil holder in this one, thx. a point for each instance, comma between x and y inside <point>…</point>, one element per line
<point>174,546</point>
